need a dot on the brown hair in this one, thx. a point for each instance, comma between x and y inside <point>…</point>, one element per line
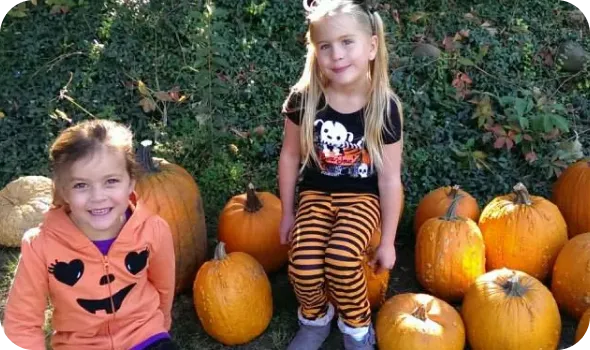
<point>84,139</point>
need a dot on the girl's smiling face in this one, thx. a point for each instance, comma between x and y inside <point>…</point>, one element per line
<point>343,49</point>
<point>97,191</point>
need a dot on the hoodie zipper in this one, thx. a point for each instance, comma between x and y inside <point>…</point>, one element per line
<point>105,261</point>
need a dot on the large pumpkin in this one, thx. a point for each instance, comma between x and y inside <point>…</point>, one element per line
<point>250,223</point>
<point>509,309</point>
<point>570,283</point>
<point>232,297</point>
<point>571,194</point>
<point>582,326</point>
<point>23,202</point>
<point>170,191</point>
<point>437,202</point>
<point>450,254</point>
<point>419,321</point>
<point>522,232</point>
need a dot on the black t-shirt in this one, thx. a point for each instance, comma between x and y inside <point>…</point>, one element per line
<point>339,142</point>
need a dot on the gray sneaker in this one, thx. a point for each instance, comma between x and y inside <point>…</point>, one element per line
<point>309,337</point>
<point>368,343</point>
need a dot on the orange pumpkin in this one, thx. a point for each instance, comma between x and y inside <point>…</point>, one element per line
<point>250,223</point>
<point>170,191</point>
<point>437,202</point>
<point>570,283</point>
<point>571,193</point>
<point>232,297</point>
<point>419,321</point>
<point>582,326</point>
<point>509,309</point>
<point>522,232</point>
<point>377,283</point>
<point>450,254</point>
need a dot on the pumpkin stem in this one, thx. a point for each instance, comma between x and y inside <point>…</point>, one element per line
<point>522,194</point>
<point>451,214</point>
<point>454,190</point>
<point>253,203</point>
<point>144,157</point>
<point>220,253</point>
<point>420,313</point>
<point>513,287</point>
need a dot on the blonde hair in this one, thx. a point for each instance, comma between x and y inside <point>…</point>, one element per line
<point>311,84</point>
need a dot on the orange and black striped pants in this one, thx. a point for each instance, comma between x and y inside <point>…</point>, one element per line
<point>330,235</point>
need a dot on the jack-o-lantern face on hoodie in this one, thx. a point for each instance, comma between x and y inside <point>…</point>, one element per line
<point>72,272</point>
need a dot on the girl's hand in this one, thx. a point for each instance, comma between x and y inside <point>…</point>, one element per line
<point>285,229</point>
<point>384,258</point>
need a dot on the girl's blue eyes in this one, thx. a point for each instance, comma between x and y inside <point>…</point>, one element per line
<point>327,46</point>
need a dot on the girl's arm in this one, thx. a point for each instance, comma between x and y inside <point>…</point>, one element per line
<point>25,308</point>
<point>390,186</point>
<point>161,270</point>
<point>289,166</point>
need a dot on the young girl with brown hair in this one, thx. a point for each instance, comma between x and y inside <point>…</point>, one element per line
<point>102,259</point>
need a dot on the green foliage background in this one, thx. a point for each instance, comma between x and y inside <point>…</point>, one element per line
<point>235,61</point>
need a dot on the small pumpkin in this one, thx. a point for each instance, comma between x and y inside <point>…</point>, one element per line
<point>437,202</point>
<point>571,194</point>
<point>582,326</point>
<point>377,283</point>
<point>450,254</point>
<point>570,282</point>
<point>509,309</point>
<point>232,297</point>
<point>419,321</point>
<point>23,202</point>
<point>250,223</point>
<point>522,232</point>
<point>168,190</point>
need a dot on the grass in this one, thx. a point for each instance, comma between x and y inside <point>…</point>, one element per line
<point>189,334</point>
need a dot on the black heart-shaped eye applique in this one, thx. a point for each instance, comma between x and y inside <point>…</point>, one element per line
<point>135,262</point>
<point>67,273</point>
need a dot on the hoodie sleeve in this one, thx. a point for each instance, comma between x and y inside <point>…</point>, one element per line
<point>25,308</point>
<point>161,271</point>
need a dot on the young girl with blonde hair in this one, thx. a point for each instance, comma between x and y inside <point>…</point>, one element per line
<point>343,135</point>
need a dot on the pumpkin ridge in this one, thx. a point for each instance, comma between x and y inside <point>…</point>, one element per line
<point>186,208</point>
<point>161,183</point>
<point>580,183</point>
<point>3,196</point>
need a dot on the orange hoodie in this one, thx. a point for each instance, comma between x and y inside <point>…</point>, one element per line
<point>100,302</point>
